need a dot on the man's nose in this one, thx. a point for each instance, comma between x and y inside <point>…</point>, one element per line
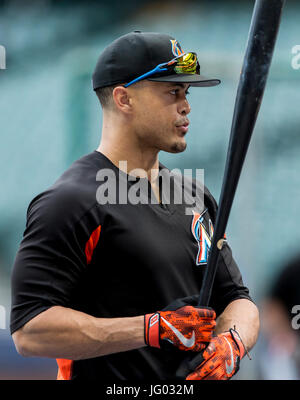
<point>184,107</point>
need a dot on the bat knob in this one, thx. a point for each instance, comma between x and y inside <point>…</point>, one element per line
<point>220,243</point>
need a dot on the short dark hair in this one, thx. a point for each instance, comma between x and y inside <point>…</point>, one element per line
<point>104,95</point>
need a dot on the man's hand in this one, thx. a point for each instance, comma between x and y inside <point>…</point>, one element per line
<point>220,360</point>
<point>185,327</point>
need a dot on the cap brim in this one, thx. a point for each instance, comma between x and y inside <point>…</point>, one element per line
<point>192,79</point>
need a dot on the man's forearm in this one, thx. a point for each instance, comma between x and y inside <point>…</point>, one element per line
<point>65,333</point>
<point>243,314</point>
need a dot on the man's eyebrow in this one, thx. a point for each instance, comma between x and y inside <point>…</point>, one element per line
<point>179,84</point>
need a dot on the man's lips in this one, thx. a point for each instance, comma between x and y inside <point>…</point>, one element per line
<point>184,126</point>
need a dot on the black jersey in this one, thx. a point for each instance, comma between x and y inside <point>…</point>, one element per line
<point>115,260</point>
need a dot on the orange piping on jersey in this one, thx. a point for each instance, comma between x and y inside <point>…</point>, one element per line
<point>65,366</point>
<point>91,244</point>
<point>64,369</point>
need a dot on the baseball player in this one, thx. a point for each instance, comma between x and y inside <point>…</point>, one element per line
<point>110,289</point>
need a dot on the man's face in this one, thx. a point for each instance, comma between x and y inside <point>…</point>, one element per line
<point>160,112</point>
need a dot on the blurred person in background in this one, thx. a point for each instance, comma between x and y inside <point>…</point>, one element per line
<point>280,345</point>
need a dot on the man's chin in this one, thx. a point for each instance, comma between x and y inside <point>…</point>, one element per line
<point>178,147</point>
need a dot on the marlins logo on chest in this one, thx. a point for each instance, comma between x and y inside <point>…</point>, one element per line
<point>202,230</point>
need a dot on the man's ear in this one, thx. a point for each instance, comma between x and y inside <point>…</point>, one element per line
<point>122,99</point>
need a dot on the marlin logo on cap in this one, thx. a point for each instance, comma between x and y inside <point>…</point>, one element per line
<point>176,48</point>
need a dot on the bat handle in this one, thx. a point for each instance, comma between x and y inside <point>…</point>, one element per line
<point>209,275</point>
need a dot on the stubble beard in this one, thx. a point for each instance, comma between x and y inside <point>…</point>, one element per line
<point>178,147</point>
<point>175,147</point>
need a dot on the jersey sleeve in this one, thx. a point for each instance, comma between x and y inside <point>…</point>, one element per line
<point>51,258</point>
<point>228,284</point>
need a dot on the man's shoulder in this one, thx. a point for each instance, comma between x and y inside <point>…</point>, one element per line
<point>84,170</point>
<point>72,194</point>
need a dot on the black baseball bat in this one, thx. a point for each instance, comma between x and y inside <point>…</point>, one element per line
<point>260,46</point>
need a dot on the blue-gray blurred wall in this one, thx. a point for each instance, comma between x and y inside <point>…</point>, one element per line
<point>49,116</point>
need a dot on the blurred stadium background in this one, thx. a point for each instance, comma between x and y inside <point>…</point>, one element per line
<point>49,116</point>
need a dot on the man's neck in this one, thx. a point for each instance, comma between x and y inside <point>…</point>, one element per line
<point>137,163</point>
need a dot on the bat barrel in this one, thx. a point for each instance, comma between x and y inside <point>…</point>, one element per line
<point>260,46</point>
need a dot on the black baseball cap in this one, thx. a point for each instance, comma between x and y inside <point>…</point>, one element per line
<point>136,53</point>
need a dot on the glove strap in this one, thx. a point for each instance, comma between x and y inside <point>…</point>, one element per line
<point>152,330</point>
<point>244,350</point>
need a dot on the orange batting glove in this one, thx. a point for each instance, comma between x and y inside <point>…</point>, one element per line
<point>187,328</point>
<point>221,359</point>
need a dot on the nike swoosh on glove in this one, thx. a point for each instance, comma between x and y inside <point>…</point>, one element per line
<point>220,360</point>
<point>186,328</point>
